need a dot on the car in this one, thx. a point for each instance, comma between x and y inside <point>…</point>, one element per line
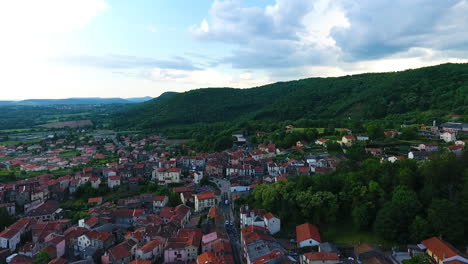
<point>227,222</point>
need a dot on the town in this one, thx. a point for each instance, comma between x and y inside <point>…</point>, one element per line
<point>85,196</point>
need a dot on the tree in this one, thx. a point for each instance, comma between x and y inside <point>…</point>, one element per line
<point>445,219</point>
<point>419,229</point>
<point>394,219</point>
<point>5,219</point>
<point>374,130</point>
<point>42,257</point>
<point>417,259</point>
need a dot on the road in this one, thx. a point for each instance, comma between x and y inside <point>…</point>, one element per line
<point>233,232</point>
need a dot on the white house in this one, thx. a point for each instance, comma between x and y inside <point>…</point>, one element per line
<point>11,237</point>
<point>95,182</point>
<point>321,142</point>
<point>272,223</point>
<point>159,202</point>
<point>113,182</point>
<point>448,136</point>
<point>151,250</point>
<point>163,176</point>
<point>204,201</point>
<point>307,235</point>
<point>320,258</point>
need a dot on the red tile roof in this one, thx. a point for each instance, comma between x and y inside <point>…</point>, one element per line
<point>160,198</point>
<point>150,246</point>
<point>206,195</point>
<point>58,261</point>
<point>95,200</point>
<point>12,230</point>
<point>139,261</point>
<point>307,231</point>
<point>321,256</point>
<point>440,248</point>
<point>101,236</point>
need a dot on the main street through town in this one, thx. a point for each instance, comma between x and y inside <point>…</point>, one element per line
<point>231,222</point>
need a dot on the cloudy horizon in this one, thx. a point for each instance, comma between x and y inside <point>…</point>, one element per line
<point>101,48</point>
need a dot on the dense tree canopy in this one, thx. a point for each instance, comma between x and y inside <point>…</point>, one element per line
<point>391,199</point>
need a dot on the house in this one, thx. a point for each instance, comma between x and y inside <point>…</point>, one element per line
<point>159,202</point>
<point>418,155</point>
<point>166,176</point>
<point>95,239</point>
<point>272,223</point>
<point>300,144</point>
<point>184,247</point>
<point>10,208</point>
<point>204,201</point>
<point>259,247</point>
<point>321,142</point>
<point>390,133</point>
<point>428,147</point>
<point>307,235</point>
<point>456,127</point>
<point>209,240</point>
<point>48,211</point>
<point>320,258</point>
<point>127,216</point>
<point>139,261</point>
<point>362,138</point>
<point>367,254</point>
<point>441,252</point>
<point>95,182</point>
<point>89,222</point>
<point>249,217</point>
<point>11,236</point>
<point>113,182</point>
<point>448,135</point>
<point>120,254</point>
<point>348,140</point>
<point>95,200</point>
<point>374,151</point>
<point>456,149</point>
<point>151,250</point>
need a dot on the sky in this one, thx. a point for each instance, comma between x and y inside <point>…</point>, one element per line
<point>135,48</point>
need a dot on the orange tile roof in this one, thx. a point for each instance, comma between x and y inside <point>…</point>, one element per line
<point>323,256</point>
<point>307,231</point>
<point>139,261</point>
<point>206,195</point>
<point>440,248</point>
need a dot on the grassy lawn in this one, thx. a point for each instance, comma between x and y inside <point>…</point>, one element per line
<point>13,142</point>
<point>17,130</point>
<point>321,130</point>
<point>346,236</point>
<point>70,153</point>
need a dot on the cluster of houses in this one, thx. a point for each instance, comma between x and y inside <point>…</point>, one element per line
<point>315,251</point>
<point>146,227</point>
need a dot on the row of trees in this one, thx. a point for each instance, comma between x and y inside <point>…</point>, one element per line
<point>402,202</point>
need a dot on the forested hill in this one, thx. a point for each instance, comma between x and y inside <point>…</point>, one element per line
<point>438,90</point>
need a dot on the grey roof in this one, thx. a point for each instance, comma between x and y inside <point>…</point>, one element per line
<point>260,248</point>
<point>328,247</point>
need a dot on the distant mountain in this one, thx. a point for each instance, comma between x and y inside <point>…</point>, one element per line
<point>428,92</point>
<point>75,101</point>
<point>139,99</point>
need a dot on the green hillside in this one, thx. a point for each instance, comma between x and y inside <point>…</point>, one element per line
<point>434,91</point>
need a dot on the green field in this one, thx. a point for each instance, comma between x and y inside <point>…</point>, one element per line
<point>70,153</point>
<point>19,142</point>
<point>18,130</point>
<point>321,130</point>
<point>346,236</point>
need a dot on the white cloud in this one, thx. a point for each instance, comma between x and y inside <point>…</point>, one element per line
<point>205,78</point>
<point>327,33</point>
